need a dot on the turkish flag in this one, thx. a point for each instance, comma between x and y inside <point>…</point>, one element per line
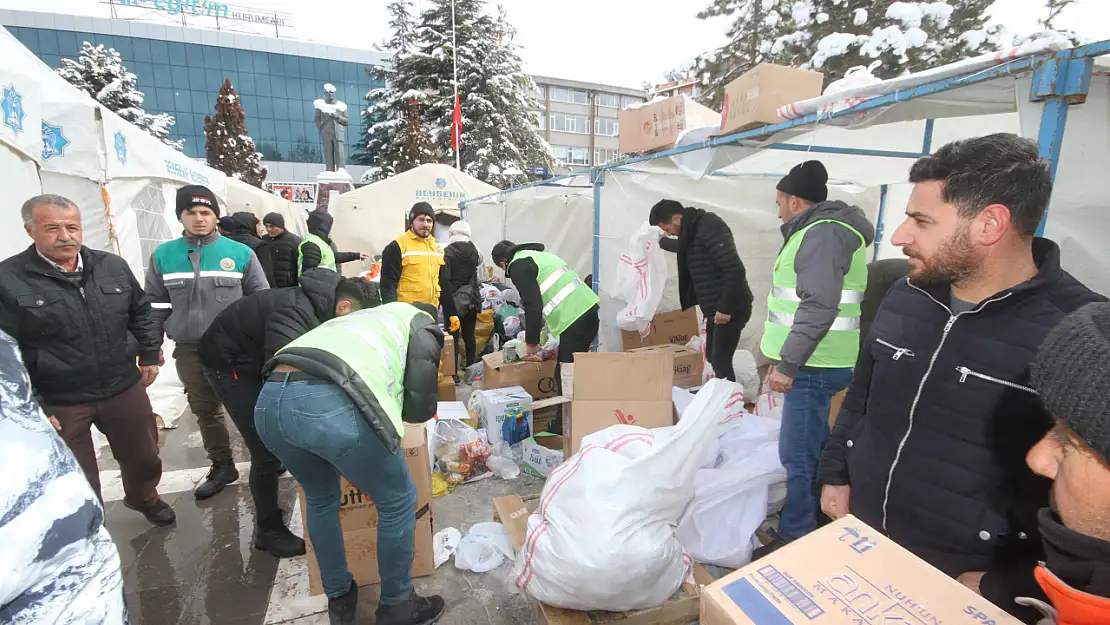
<point>456,126</point>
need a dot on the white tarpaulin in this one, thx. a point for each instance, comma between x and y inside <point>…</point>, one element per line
<point>368,218</point>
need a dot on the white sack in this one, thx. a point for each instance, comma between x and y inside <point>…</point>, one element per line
<point>602,537</point>
<point>641,279</point>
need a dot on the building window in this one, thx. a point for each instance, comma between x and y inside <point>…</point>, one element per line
<point>627,101</point>
<point>578,124</point>
<point>541,119</point>
<point>611,100</point>
<point>540,92</point>
<point>606,127</point>
<point>605,155</point>
<point>573,96</point>
<point>570,155</point>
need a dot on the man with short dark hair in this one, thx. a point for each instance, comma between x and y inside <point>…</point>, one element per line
<point>244,229</point>
<point>284,249</point>
<point>234,350</point>
<point>318,250</point>
<point>81,320</point>
<point>413,268</point>
<point>930,443</point>
<point>710,275</point>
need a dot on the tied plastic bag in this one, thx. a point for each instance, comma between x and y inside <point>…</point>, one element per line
<point>641,279</point>
<point>856,77</point>
<point>483,548</point>
<point>503,467</point>
<point>602,536</point>
<point>513,326</point>
<point>460,452</point>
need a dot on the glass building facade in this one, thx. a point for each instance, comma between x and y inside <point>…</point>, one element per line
<point>183,79</point>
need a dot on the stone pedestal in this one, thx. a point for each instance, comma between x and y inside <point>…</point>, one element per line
<point>328,181</point>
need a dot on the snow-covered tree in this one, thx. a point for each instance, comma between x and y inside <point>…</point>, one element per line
<point>753,23</point>
<point>500,134</point>
<point>99,72</point>
<point>228,147</point>
<point>1047,24</point>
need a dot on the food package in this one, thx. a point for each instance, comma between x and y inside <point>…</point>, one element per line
<point>461,452</point>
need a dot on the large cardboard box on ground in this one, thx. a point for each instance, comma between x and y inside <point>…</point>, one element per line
<point>672,328</point>
<point>538,378</point>
<point>657,125</point>
<point>358,519</point>
<point>753,99</point>
<point>613,388</point>
<point>447,390</point>
<point>845,573</point>
<point>688,363</point>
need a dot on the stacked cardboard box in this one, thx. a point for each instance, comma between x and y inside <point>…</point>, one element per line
<point>613,388</point>
<point>358,519</point>
<point>688,363</point>
<point>672,328</point>
<point>496,406</point>
<point>537,378</point>
<point>753,100</point>
<point>447,364</point>
<point>658,125</point>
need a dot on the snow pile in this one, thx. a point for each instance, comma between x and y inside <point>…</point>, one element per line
<point>859,17</point>
<point>329,108</point>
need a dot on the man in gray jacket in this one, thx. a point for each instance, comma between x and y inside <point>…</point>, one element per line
<point>812,329</point>
<point>190,280</point>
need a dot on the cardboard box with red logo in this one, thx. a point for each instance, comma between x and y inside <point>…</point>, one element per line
<point>753,100</point>
<point>669,328</point>
<point>658,124</point>
<point>611,388</point>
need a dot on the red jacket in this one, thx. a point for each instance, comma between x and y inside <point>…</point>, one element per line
<point>1073,607</point>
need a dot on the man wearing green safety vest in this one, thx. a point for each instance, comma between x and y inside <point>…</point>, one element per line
<point>317,249</point>
<point>812,329</point>
<point>335,402</point>
<point>550,290</point>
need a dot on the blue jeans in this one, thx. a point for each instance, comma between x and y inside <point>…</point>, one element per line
<point>318,434</point>
<point>805,428</point>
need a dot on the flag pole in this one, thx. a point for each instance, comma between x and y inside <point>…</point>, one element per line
<point>455,54</point>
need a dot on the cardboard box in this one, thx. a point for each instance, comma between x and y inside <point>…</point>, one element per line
<point>542,454</point>
<point>537,378</point>
<point>657,125</point>
<point>753,99</point>
<point>495,405</point>
<point>546,411</point>
<point>447,364</point>
<point>447,391</point>
<point>612,388</point>
<point>688,363</point>
<point>358,517</point>
<point>672,328</point>
<point>845,573</point>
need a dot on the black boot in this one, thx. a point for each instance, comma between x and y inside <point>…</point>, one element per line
<point>416,610</point>
<point>276,539</point>
<point>158,512</point>
<point>219,476</point>
<point>341,610</point>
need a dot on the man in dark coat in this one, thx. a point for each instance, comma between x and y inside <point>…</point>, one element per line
<point>81,320</point>
<point>234,351</point>
<point>244,229</point>
<point>319,224</point>
<point>930,443</point>
<point>284,250</point>
<point>462,261</point>
<point>710,275</point>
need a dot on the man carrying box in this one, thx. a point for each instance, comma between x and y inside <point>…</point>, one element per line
<point>550,290</point>
<point>335,402</point>
<point>812,328</point>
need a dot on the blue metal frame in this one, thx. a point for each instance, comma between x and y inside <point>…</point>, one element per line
<point>597,176</point>
<point>829,149</point>
<point>927,144</point>
<point>547,182</point>
<point>879,221</point>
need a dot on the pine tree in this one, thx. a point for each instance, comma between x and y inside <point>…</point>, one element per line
<point>228,147</point>
<point>416,145</point>
<point>752,25</point>
<point>100,73</point>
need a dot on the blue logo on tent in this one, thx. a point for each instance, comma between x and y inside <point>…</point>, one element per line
<point>12,105</point>
<point>120,144</point>
<point>54,143</point>
<point>441,183</point>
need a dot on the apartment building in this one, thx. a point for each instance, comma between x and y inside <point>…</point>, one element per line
<point>579,120</point>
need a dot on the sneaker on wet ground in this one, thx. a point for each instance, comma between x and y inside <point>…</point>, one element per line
<point>416,610</point>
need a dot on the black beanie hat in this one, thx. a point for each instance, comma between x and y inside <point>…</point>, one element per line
<point>192,195</point>
<point>421,208</point>
<point>274,219</point>
<point>807,181</point>
<point>1072,375</point>
<point>227,222</point>
<point>502,252</point>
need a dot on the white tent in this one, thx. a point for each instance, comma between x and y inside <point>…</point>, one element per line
<point>368,218</point>
<point>868,155</point>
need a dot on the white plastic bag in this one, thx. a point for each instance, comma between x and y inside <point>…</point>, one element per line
<point>503,467</point>
<point>769,404</point>
<point>855,77</point>
<point>484,547</point>
<point>731,496</point>
<point>444,544</point>
<point>602,536</point>
<point>640,280</point>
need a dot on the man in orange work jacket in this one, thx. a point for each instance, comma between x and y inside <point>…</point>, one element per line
<point>413,270</point>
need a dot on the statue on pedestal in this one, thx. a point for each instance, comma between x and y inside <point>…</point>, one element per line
<point>331,121</point>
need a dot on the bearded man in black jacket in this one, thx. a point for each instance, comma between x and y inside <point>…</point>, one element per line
<point>710,275</point>
<point>234,351</point>
<point>930,443</point>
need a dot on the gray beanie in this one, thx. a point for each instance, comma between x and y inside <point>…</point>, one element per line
<point>1072,374</point>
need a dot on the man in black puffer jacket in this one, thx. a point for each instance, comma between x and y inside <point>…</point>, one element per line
<point>930,443</point>
<point>283,250</point>
<point>462,261</point>
<point>245,231</point>
<point>234,351</point>
<point>710,275</point>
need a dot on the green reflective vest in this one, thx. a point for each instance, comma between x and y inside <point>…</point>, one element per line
<point>374,344</point>
<point>327,256</point>
<point>840,345</point>
<point>565,297</point>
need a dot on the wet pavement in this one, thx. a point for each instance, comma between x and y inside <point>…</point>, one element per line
<point>204,571</point>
